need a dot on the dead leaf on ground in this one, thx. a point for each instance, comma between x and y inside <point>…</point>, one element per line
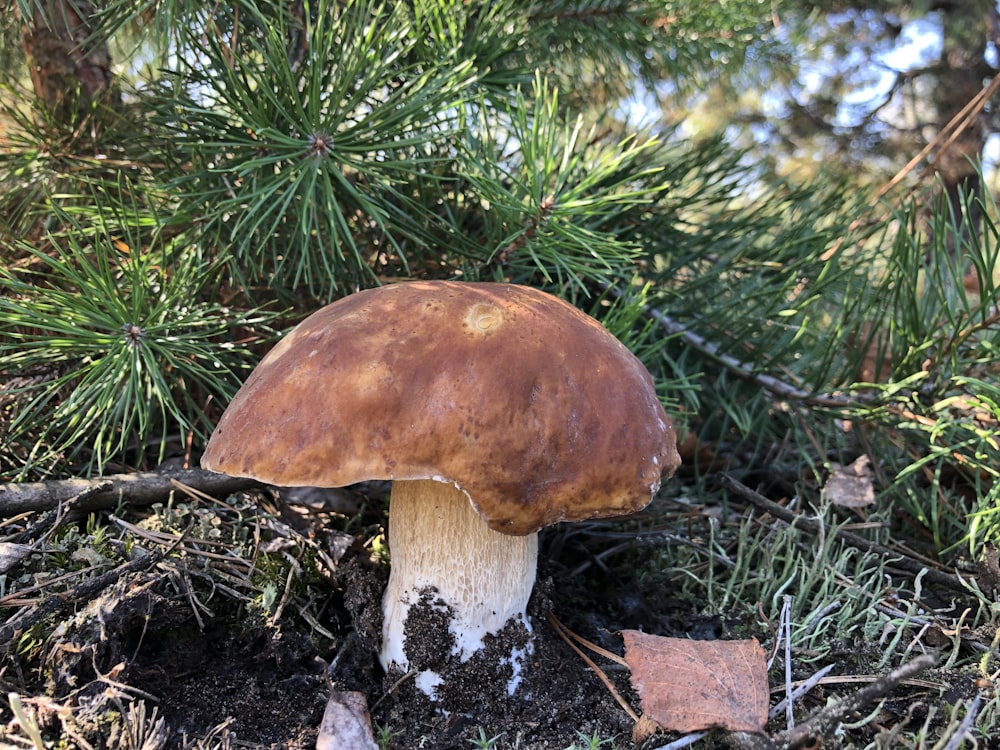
<point>346,723</point>
<point>850,486</point>
<point>687,686</point>
<point>644,729</point>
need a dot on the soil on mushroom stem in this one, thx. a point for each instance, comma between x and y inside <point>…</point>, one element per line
<point>558,699</point>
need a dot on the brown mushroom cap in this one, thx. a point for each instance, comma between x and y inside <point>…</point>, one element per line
<point>532,408</point>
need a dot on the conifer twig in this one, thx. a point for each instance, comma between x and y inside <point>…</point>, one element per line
<point>770,383</point>
<point>948,134</point>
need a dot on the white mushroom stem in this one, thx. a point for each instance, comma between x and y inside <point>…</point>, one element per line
<point>437,539</point>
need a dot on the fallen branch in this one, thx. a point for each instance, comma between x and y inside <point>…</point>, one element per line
<point>85,591</point>
<point>800,521</point>
<point>100,493</point>
<point>826,719</point>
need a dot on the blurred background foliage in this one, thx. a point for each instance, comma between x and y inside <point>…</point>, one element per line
<point>181,182</point>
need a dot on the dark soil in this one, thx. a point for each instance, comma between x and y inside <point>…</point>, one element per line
<point>558,699</point>
<point>265,688</point>
<point>216,674</point>
<point>269,689</point>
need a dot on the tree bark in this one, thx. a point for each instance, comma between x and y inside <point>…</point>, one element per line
<point>961,73</point>
<point>70,69</point>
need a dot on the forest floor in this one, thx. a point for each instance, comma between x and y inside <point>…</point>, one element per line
<point>229,622</point>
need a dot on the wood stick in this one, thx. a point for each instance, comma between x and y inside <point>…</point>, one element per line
<point>142,488</point>
<point>82,592</point>
<point>800,521</point>
<point>824,720</point>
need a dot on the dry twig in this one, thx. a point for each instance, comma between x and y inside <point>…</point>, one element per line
<point>562,631</point>
<point>900,560</point>
<point>825,719</point>
<point>141,488</point>
<point>28,616</point>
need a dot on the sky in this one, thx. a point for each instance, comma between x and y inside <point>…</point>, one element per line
<point>917,45</point>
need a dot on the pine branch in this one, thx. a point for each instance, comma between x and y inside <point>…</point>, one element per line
<point>773,385</point>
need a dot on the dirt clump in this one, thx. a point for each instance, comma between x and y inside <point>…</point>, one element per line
<point>263,687</point>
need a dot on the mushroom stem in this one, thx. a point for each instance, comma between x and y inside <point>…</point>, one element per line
<point>438,540</point>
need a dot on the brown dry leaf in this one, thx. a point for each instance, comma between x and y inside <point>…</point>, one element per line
<point>850,486</point>
<point>686,685</point>
<point>644,729</point>
<point>346,723</point>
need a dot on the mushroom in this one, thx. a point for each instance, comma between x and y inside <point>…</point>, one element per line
<point>495,409</point>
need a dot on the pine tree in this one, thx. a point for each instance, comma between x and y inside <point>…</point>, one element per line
<point>185,182</point>
<point>260,159</point>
